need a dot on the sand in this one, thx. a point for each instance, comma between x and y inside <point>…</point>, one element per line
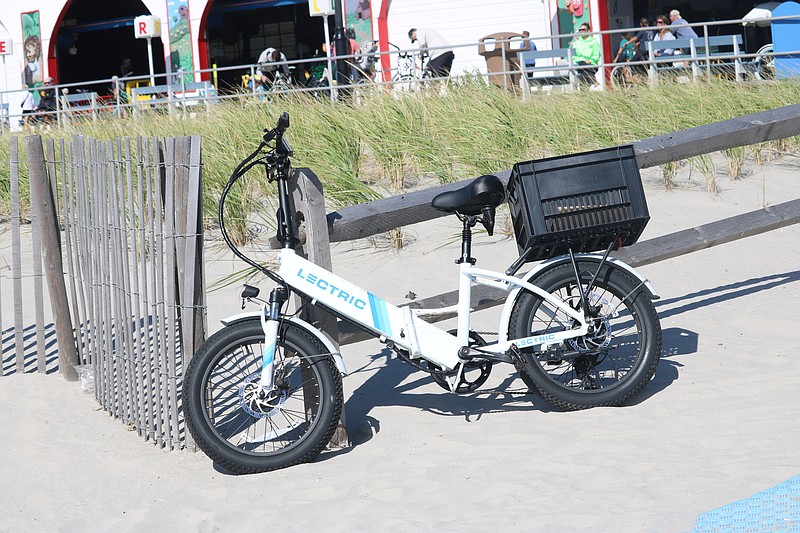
<point>717,424</point>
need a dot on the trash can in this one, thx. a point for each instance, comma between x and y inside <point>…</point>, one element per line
<point>501,56</point>
<point>786,38</point>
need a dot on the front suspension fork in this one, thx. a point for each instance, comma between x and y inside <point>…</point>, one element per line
<point>270,320</point>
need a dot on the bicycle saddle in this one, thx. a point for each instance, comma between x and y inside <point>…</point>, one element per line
<point>483,192</point>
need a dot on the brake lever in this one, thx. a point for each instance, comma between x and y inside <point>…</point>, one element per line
<point>280,127</point>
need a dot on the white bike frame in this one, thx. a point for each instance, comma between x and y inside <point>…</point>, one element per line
<point>403,326</point>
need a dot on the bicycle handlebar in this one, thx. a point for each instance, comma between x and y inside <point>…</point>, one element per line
<point>282,147</point>
<point>276,164</point>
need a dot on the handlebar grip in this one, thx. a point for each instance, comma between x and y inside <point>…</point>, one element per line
<point>280,127</point>
<point>283,121</point>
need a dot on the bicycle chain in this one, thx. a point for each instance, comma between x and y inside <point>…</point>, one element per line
<point>513,392</point>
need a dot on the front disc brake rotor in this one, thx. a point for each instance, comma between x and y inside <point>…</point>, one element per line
<point>257,402</point>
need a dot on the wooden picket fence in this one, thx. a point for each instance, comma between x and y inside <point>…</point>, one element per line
<point>126,285</point>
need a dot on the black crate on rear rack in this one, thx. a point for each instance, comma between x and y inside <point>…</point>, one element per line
<point>581,202</point>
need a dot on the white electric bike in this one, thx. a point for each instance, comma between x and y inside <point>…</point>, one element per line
<point>265,392</point>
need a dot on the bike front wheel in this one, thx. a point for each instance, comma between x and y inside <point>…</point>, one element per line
<point>247,431</point>
<point>606,367</point>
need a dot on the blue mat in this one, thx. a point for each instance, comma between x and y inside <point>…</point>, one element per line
<point>775,509</point>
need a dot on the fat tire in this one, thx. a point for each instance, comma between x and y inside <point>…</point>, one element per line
<point>216,350</point>
<point>640,309</point>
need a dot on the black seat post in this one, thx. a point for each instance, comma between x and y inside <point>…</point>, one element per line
<point>466,239</point>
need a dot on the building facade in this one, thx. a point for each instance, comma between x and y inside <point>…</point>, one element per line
<point>79,41</point>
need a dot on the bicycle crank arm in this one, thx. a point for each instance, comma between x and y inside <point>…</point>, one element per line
<point>467,353</point>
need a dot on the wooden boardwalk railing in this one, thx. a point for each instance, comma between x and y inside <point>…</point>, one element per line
<point>383,215</point>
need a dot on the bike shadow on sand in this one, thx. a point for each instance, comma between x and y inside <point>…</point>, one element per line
<point>679,342</point>
<point>397,384</point>
<point>394,383</point>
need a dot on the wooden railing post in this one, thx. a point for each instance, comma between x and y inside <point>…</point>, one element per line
<point>49,231</point>
<point>308,199</point>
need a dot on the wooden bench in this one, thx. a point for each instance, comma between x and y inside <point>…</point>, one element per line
<point>192,93</point>
<point>547,75</point>
<point>720,52</point>
<point>81,104</point>
<point>172,95</point>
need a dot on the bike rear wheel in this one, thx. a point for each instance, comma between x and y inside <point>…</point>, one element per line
<point>621,76</point>
<point>607,367</point>
<point>247,433</point>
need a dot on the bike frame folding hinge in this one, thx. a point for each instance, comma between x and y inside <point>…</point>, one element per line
<point>411,332</point>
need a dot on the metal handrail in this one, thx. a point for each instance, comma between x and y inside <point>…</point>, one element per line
<point>10,98</point>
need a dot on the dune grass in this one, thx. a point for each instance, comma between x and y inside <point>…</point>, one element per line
<point>369,147</point>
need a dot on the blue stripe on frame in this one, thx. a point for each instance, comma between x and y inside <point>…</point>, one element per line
<point>380,317</point>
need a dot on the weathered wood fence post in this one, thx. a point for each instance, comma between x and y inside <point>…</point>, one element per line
<point>191,274</point>
<point>309,201</point>
<point>48,229</point>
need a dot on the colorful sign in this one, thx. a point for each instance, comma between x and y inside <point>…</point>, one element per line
<point>571,14</point>
<point>320,8</point>
<point>180,39</point>
<point>32,74</point>
<point>358,20</point>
